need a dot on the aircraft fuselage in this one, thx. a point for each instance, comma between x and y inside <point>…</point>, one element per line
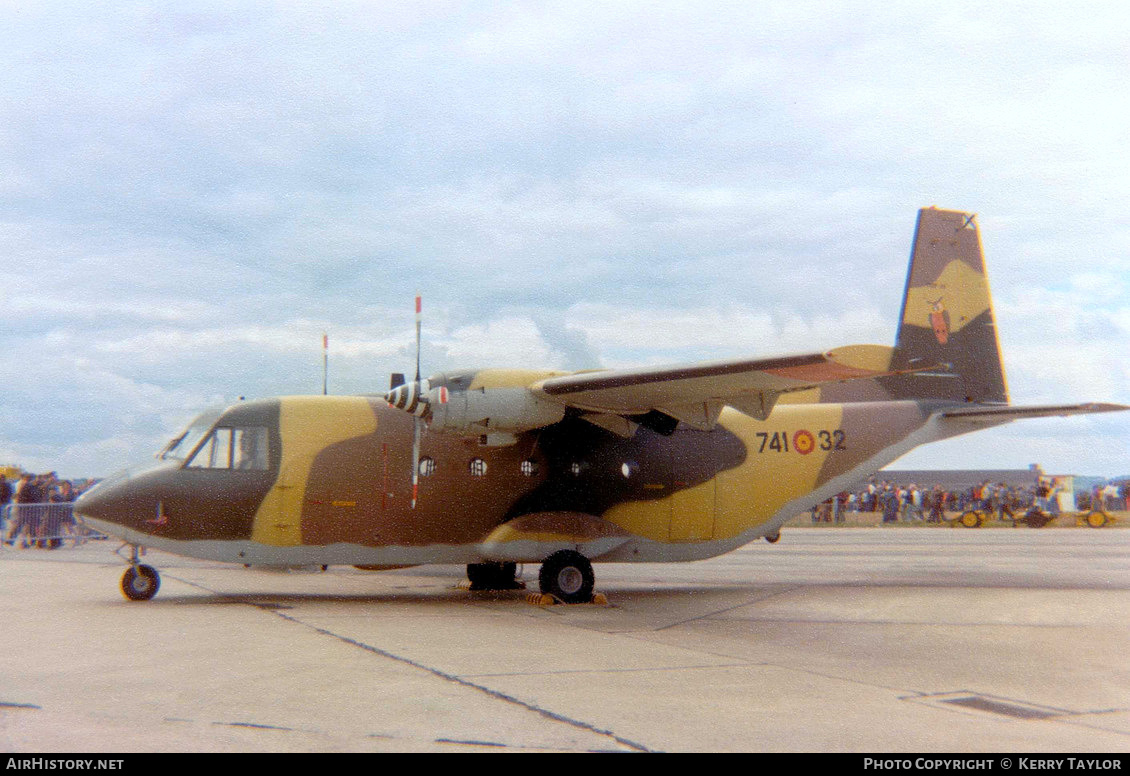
<point>336,486</point>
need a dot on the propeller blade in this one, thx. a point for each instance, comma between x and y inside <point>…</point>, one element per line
<point>416,459</point>
<point>418,317</point>
<point>421,390</point>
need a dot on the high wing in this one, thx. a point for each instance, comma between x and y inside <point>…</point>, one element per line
<point>695,393</point>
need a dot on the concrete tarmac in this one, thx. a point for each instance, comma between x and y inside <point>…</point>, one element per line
<point>835,639</point>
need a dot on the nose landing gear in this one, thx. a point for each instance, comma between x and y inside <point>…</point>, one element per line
<point>140,582</point>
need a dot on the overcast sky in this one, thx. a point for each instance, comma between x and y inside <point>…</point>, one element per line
<point>191,193</point>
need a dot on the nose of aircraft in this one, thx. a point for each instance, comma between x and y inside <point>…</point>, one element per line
<point>102,502</point>
<point>114,501</point>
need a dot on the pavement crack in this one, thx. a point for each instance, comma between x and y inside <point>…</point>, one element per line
<point>463,682</point>
<point>749,602</point>
<point>652,669</point>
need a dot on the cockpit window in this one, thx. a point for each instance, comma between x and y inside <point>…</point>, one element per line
<point>243,448</point>
<point>215,453</point>
<point>180,447</point>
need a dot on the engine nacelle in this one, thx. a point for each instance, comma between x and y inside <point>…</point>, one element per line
<point>491,411</point>
<point>491,402</point>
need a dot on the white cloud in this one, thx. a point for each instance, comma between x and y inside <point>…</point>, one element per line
<point>504,342</point>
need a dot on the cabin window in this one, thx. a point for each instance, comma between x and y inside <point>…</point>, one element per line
<point>477,467</point>
<point>528,468</point>
<point>244,449</point>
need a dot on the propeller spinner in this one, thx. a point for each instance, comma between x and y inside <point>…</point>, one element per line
<point>411,397</point>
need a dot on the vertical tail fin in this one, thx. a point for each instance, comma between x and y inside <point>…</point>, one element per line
<point>947,316</point>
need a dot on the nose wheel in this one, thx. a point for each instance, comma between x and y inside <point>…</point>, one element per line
<point>140,582</point>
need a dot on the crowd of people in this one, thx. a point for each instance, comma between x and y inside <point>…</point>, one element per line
<point>32,522</point>
<point>910,503</point>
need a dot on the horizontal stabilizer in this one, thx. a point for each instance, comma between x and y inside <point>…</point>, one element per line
<point>982,414</point>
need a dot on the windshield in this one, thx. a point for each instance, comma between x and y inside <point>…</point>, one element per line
<point>185,442</point>
<point>229,447</point>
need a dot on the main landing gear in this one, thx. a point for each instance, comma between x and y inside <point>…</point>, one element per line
<point>494,576</point>
<point>140,582</point>
<point>567,576</point>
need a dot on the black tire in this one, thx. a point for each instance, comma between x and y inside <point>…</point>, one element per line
<point>773,538</point>
<point>568,576</point>
<point>493,576</point>
<point>140,583</point>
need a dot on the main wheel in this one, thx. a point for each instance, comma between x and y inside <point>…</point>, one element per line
<point>492,576</point>
<point>773,538</point>
<point>567,575</point>
<point>1096,519</point>
<point>140,583</point>
<point>971,519</point>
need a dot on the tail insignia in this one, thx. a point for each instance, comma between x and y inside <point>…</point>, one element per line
<point>940,320</point>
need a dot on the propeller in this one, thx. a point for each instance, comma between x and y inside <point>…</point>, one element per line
<point>414,398</point>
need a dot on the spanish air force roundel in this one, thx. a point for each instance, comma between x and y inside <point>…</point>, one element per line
<point>803,442</point>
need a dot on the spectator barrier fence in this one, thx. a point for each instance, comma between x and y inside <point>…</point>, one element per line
<point>46,526</point>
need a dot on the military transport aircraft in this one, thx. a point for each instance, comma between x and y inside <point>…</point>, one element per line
<point>495,467</point>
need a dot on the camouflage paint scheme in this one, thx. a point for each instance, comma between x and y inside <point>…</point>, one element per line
<point>616,478</point>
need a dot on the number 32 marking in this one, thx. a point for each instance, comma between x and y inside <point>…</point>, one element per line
<point>832,440</point>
